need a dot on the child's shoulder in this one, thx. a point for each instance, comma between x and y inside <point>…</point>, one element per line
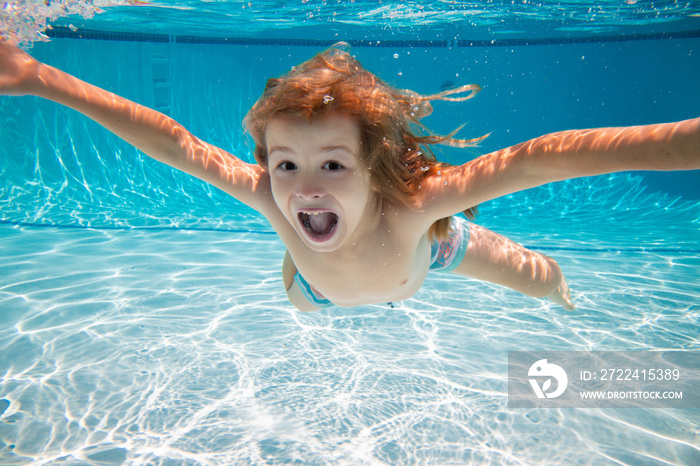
<point>404,222</point>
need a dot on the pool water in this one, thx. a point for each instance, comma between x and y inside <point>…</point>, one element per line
<point>179,347</point>
<point>144,320</point>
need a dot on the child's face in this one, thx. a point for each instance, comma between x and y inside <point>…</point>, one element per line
<point>318,180</point>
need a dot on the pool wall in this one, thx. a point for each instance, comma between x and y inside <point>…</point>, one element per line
<point>62,169</point>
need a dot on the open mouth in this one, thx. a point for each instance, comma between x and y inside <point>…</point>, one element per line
<point>319,225</point>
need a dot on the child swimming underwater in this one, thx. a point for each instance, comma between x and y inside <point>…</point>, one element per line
<point>346,177</point>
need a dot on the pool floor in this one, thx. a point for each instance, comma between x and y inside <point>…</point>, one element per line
<point>179,347</point>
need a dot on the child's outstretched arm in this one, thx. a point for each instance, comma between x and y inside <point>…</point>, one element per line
<point>154,133</point>
<point>561,156</point>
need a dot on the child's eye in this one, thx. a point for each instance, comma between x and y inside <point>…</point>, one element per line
<point>287,166</point>
<point>333,166</point>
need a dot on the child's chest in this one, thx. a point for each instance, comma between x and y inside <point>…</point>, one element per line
<point>388,269</point>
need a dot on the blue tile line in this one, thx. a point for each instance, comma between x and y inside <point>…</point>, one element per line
<point>62,32</point>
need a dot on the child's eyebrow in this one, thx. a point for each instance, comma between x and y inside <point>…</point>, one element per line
<point>330,148</point>
<point>273,149</point>
<point>342,147</point>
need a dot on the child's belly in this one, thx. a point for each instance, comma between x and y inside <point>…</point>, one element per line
<point>369,293</point>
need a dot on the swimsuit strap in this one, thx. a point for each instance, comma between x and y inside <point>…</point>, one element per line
<point>314,297</point>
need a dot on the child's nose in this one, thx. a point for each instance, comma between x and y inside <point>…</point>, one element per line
<point>309,188</point>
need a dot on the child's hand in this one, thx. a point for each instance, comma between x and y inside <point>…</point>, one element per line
<point>18,70</point>
<point>562,296</point>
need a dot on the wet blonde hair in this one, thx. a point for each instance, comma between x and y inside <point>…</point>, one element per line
<point>396,146</point>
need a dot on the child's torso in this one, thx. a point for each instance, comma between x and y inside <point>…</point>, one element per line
<point>389,265</point>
